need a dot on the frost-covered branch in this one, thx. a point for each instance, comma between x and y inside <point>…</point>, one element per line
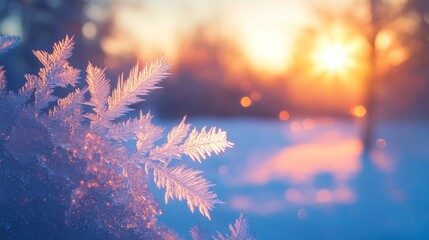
<point>182,183</point>
<point>171,148</point>
<point>139,83</point>
<point>201,144</point>
<point>69,106</point>
<point>56,72</point>
<point>198,144</point>
<point>99,89</point>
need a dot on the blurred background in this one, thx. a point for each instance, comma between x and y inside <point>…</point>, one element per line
<point>326,102</point>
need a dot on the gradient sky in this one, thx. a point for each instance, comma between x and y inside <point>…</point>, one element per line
<point>264,29</point>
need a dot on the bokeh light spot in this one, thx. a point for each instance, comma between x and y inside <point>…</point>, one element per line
<point>295,126</point>
<point>308,124</point>
<point>256,96</point>
<point>89,30</point>
<point>284,115</point>
<point>324,196</point>
<point>302,213</point>
<point>293,195</point>
<point>223,169</point>
<point>246,102</point>
<point>359,111</point>
<point>381,143</point>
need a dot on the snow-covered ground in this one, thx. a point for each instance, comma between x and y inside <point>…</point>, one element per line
<point>307,179</point>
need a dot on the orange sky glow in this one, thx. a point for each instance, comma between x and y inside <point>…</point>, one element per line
<point>267,39</point>
<point>264,32</point>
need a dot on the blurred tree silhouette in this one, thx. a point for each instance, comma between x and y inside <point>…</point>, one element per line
<point>39,22</point>
<point>395,36</point>
<point>213,66</point>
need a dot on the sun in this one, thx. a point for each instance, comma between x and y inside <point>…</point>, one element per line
<point>332,67</point>
<point>332,57</point>
<point>338,53</point>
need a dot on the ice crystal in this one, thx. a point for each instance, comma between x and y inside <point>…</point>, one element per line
<point>102,162</point>
<point>198,233</point>
<point>7,43</point>
<point>240,231</point>
<point>2,80</point>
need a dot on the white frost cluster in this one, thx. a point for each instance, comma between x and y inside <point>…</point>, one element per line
<point>118,154</point>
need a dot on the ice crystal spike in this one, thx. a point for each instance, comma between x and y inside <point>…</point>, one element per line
<point>99,89</point>
<point>139,83</point>
<point>2,80</point>
<point>104,164</point>
<point>198,144</point>
<point>56,72</point>
<point>240,231</point>
<point>7,43</point>
<point>201,144</point>
<point>171,148</point>
<point>198,233</point>
<point>182,183</point>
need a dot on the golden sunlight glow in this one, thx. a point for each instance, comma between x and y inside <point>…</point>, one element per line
<point>339,53</point>
<point>332,64</point>
<point>397,56</point>
<point>265,31</point>
<point>333,57</point>
<point>266,51</point>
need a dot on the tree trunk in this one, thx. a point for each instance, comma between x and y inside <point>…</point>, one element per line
<point>371,80</point>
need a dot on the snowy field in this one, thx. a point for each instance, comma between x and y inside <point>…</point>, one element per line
<point>307,179</point>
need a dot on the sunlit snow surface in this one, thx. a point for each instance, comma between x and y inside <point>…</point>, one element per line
<point>307,179</point>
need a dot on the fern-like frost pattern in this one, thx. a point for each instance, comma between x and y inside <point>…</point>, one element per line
<point>114,158</point>
<point>239,231</point>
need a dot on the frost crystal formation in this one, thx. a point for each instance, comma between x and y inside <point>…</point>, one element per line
<point>70,171</point>
<point>239,231</point>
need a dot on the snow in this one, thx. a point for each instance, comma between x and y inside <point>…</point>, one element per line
<point>307,179</point>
